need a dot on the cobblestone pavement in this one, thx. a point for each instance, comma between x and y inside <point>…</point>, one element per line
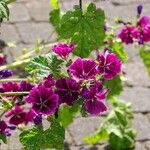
<point>29,21</point>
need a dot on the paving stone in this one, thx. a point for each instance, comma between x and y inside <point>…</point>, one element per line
<point>142,126</point>
<point>18,13</point>
<point>9,33</point>
<point>139,97</point>
<point>4,147</point>
<point>147,145</point>
<point>39,10</point>
<point>30,32</point>
<point>139,146</point>
<point>122,2</point>
<point>136,72</point>
<point>68,138</point>
<point>94,147</point>
<point>13,142</point>
<point>82,127</point>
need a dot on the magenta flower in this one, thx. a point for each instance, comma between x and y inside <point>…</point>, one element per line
<point>83,69</point>
<point>10,86</point>
<point>144,21</point>
<point>17,115</point>
<point>43,100</point>
<point>128,33</point>
<point>63,50</point>
<point>49,81</point>
<point>25,86</point>
<point>2,59</point>
<point>109,65</point>
<point>3,126</point>
<point>68,90</point>
<point>94,98</point>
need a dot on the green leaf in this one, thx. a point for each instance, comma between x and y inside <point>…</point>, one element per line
<point>66,114</point>
<point>145,55</point>
<point>86,29</point>
<point>45,65</point>
<point>118,48</point>
<point>3,138</point>
<point>54,136</point>
<point>115,86</point>
<point>54,4</point>
<point>37,139</point>
<point>4,11</point>
<point>117,128</point>
<point>32,139</point>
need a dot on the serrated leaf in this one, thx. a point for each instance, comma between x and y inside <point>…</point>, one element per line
<point>117,129</point>
<point>32,139</point>
<point>84,29</point>
<point>145,55</point>
<point>54,136</point>
<point>118,48</point>
<point>115,86</point>
<point>4,11</point>
<point>42,66</point>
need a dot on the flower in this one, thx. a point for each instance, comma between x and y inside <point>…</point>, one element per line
<point>139,9</point>
<point>44,100</point>
<point>3,126</point>
<point>17,115</point>
<point>94,97</point>
<point>144,21</point>
<point>37,119</point>
<point>83,69</point>
<point>5,74</point>
<point>49,81</point>
<point>2,59</point>
<point>25,86</point>
<point>10,87</point>
<point>63,50</point>
<point>68,90</point>
<point>128,33</point>
<point>109,65</point>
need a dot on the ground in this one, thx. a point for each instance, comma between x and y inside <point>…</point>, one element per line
<point>29,21</point>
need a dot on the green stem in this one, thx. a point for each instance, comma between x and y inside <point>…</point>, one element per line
<point>14,93</point>
<point>10,1</point>
<point>80,4</point>
<point>15,64</point>
<point>12,80</point>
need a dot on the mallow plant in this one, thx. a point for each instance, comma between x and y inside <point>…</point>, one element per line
<point>79,74</point>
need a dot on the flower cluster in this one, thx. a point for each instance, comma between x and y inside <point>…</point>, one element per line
<point>139,32</point>
<point>83,81</point>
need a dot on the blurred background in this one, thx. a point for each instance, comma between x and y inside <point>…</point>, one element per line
<point>29,21</point>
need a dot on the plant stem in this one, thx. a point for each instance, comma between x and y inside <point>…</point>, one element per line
<point>12,80</point>
<point>13,93</point>
<point>15,64</point>
<point>10,1</point>
<point>80,4</point>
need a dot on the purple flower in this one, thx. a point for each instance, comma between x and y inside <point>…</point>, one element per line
<point>109,65</point>
<point>68,90</point>
<point>83,69</point>
<point>10,87</point>
<point>3,126</point>
<point>25,86</point>
<point>16,115</point>
<point>94,97</point>
<point>37,120</point>
<point>63,50</point>
<point>139,9</point>
<point>5,74</point>
<point>43,100</point>
<point>2,59</point>
<point>128,33</point>
<point>49,81</point>
<point>144,21</point>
